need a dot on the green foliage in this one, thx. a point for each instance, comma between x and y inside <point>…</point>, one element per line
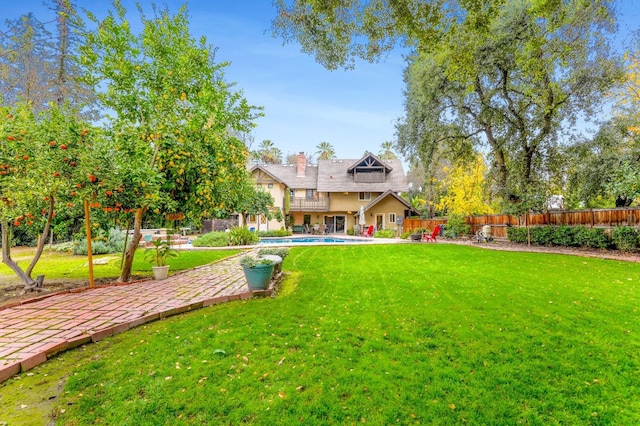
<point>456,226</point>
<point>212,239</point>
<point>516,235</point>
<point>384,233</point>
<point>591,238</point>
<point>406,235</point>
<point>283,252</point>
<point>160,252</point>
<point>252,262</point>
<point>242,236</point>
<point>351,231</point>
<point>563,236</point>
<point>97,247</point>
<point>103,243</point>
<point>275,233</point>
<point>626,238</point>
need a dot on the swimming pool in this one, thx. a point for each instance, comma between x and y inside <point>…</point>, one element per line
<point>312,240</point>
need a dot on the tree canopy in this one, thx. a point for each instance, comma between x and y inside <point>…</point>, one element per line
<point>506,76</point>
<point>174,115</point>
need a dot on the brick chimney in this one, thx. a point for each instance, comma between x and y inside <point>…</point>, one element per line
<point>302,164</point>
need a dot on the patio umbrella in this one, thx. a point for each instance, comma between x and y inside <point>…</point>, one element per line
<point>362,220</point>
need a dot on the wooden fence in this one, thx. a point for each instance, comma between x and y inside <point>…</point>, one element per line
<point>592,218</point>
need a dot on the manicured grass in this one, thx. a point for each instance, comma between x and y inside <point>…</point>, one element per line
<point>422,333</point>
<point>62,265</point>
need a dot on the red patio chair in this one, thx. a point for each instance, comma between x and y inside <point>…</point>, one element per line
<point>432,237</point>
<point>368,232</point>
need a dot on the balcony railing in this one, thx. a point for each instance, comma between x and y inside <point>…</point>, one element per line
<point>309,204</point>
<point>373,177</point>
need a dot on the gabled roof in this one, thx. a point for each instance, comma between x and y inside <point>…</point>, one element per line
<point>334,176</point>
<point>368,161</point>
<point>288,174</point>
<point>385,195</point>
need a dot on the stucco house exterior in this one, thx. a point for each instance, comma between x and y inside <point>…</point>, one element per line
<point>329,195</point>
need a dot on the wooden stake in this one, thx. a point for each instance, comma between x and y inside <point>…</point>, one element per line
<point>87,220</point>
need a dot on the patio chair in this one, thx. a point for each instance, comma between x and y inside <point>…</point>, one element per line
<point>428,238</point>
<point>368,232</point>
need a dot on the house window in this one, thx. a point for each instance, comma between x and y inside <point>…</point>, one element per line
<point>311,194</point>
<point>292,193</point>
<point>307,219</point>
<point>251,218</point>
<point>269,185</point>
<point>392,218</point>
<point>364,196</point>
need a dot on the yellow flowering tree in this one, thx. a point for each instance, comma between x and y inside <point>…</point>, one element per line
<point>465,189</point>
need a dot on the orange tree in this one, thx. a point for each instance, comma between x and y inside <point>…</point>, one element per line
<point>174,117</point>
<point>49,163</point>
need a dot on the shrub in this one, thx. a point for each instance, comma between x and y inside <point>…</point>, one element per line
<point>115,239</point>
<point>212,239</point>
<point>275,233</point>
<point>456,226</point>
<point>63,247</point>
<point>516,235</point>
<point>626,238</point>
<point>242,236</point>
<point>405,235</point>
<point>283,252</point>
<point>563,236</point>
<point>591,238</point>
<point>351,231</point>
<point>97,247</point>
<point>384,233</point>
<point>252,262</point>
<point>103,243</point>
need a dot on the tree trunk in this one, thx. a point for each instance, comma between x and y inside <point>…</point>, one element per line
<point>41,241</point>
<point>125,274</point>
<point>6,257</point>
<point>501,164</point>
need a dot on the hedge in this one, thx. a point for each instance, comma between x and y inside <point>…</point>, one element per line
<point>571,236</point>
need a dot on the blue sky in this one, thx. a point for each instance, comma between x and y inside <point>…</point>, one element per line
<point>304,104</point>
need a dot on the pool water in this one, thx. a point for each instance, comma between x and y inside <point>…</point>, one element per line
<point>311,240</point>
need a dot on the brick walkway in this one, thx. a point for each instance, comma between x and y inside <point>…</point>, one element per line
<point>34,331</point>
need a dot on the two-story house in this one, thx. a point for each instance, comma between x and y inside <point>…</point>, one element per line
<point>332,194</point>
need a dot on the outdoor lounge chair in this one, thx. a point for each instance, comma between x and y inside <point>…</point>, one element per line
<point>368,232</point>
<point>432,237</point>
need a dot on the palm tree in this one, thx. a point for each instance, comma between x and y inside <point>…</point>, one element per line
<point>325,151</point>
<point>386,153</point>
<point>267,153</point>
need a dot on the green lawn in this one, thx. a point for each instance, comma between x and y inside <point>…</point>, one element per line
<point>408,334</point>
<point>62,265</point>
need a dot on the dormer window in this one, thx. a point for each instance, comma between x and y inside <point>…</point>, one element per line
<point>370,169</point>
<point>364,196</point>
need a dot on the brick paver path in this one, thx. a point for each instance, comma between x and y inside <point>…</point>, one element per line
<point>31,332</point>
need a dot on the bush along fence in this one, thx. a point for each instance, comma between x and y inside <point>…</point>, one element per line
<point>594,228</point>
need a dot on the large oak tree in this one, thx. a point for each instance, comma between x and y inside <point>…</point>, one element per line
<point>508,75</point>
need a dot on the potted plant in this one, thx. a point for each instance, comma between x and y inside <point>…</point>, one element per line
<point>280,252</point>
<point>416,234</point>
<point>257,271</point>
<point>159,253</point>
